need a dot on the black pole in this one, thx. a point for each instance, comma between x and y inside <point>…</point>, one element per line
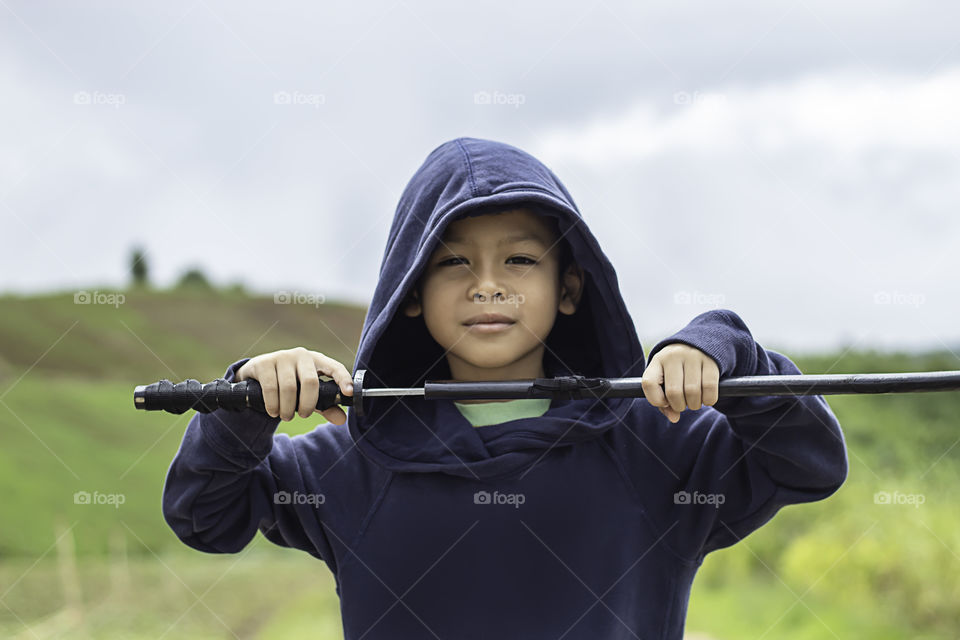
<point>247,394</point>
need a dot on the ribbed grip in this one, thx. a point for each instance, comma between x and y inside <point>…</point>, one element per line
<point>220,394</point>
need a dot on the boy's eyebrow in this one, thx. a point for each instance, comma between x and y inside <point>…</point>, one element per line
<point>520,237</point>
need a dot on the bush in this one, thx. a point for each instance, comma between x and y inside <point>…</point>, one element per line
<point>194,279</point>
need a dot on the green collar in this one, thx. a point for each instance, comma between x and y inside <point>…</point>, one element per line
<point>486,413</point>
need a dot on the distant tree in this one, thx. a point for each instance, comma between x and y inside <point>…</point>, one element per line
<point>138,268</point>
<point>193,278</point>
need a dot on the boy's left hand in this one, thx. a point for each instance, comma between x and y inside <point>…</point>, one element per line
<point>688,375</point>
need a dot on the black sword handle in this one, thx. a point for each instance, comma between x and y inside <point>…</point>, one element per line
<point>220,394</point>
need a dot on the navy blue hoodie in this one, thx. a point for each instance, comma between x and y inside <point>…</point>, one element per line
<point>602,511</point>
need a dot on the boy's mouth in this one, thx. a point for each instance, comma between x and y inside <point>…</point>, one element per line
<point>488,323</point>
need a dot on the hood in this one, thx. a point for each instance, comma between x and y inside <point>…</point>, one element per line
<point>463,177</point>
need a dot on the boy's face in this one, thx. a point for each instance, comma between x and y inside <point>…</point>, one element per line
<point>505,263</point>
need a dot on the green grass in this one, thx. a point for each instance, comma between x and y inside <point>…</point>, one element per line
<point>259,593</point>
<point>174,334</point>
<point>67,420</point>
<point>60,436</point>
<point>756,607</point>
<point>67,423</point>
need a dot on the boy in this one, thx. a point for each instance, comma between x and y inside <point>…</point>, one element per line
<point>506,519</point>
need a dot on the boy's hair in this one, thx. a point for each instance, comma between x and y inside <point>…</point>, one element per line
<point>561,246</point>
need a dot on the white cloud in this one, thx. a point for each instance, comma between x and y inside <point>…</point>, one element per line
<point>842,112</point>
<point>795,202</point>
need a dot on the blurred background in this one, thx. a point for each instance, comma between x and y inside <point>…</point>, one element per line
<point>183,184</point>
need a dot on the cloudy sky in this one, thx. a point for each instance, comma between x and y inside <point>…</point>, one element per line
<point>796,162</point>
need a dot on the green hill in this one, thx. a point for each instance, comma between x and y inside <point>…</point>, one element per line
<point>67,424</point>
<point>164,334</point>
<point>67,421</point>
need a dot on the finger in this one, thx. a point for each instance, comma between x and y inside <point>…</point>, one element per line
<point>266,374</point>
<point>691,382</point>
<point>671,415</point>
<point>309,386</point>
<point>241,373</point>
<point>673,384</point>
<point>711,382</point>
<point>287,381</point>
<point>333,369</point>
<point>334,415</point>
<point>651,381</point>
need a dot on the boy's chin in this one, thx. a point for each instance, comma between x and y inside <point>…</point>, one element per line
<point>485,364</point>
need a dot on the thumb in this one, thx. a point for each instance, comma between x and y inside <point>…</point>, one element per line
<point>651,381</point>
<point>334,415</point>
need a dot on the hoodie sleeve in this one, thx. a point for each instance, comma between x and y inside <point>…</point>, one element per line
<point>232,476</point>
<point>750,455</point>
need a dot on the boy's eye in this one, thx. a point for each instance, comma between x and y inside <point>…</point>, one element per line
<point>457,260</point>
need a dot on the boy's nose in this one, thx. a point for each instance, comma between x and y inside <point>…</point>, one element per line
<point>482,296</point>
<point>485,287</point>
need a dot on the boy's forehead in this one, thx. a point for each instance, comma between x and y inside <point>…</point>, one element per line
<point>515,224</point>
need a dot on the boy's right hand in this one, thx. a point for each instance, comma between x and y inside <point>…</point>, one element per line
<point>278,372</point>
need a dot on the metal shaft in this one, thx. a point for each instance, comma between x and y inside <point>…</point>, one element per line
<point>247,394</point>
